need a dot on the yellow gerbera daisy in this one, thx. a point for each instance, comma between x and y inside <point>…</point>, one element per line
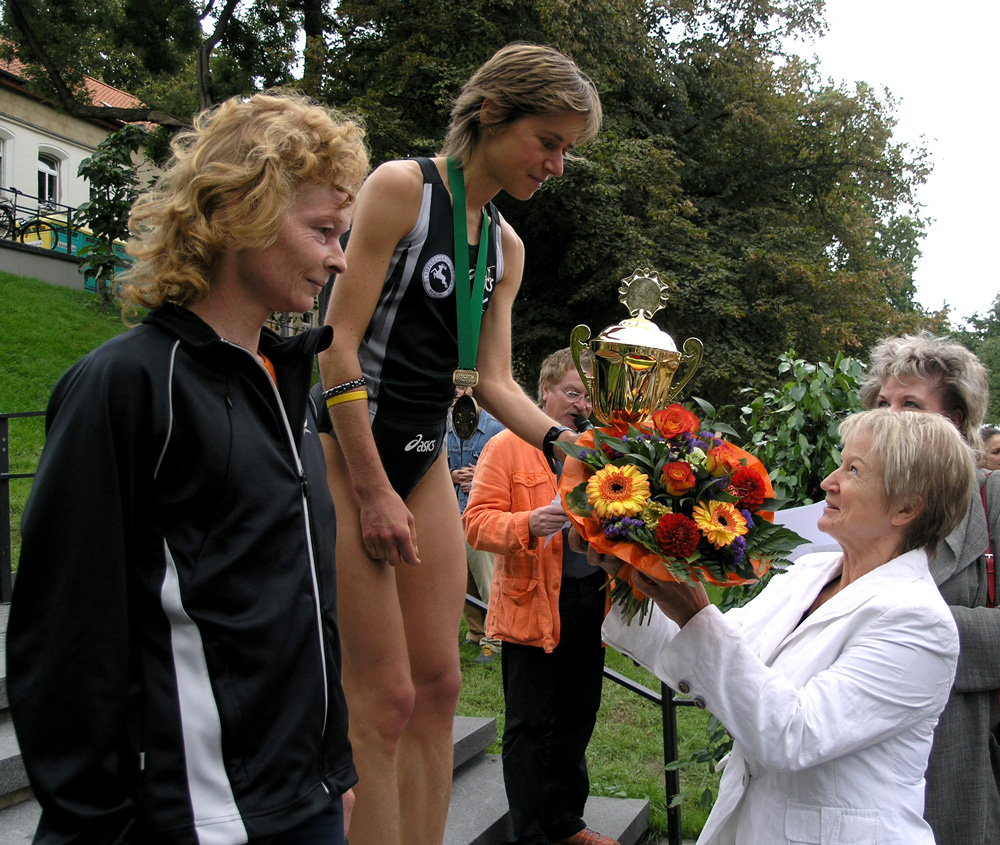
<point>617,491</point>
<point>720,522</point>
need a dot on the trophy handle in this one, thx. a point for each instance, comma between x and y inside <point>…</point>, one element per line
<point>691,360</point>
<point>577,345</point>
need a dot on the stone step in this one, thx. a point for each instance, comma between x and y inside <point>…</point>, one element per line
<point>12,775</point>
<point>18,823</point>
<point>472,736</point>
<point>13,780</point>
<point>478,813</point>
<point>479,816</point>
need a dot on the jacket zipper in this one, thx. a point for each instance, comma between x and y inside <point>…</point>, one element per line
<point>307,523</point>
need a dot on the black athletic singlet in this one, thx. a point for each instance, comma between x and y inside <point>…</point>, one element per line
<point>410,348</point>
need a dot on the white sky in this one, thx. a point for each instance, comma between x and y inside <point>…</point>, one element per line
<point>940,63</point>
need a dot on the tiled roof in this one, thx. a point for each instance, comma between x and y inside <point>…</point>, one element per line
<point>106,95</point>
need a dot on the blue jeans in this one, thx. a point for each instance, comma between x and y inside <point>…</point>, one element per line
<point>326,828</point>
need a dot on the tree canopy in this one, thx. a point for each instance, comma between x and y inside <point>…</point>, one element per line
<point>982,336</point>
<point>776,202</point>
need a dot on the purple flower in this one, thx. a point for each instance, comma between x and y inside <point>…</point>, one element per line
<point>622,527</point>
<point>738,548</point>
<point>748,517</point>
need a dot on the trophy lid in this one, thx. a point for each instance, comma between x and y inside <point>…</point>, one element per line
<point>643,294</point>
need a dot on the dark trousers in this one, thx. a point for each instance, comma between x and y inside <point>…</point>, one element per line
<point>326,828</point>
<point>552,702</point>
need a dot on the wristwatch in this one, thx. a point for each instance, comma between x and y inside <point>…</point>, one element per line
<point>547,443</point>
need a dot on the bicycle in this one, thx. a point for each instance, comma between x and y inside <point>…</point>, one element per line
<point>36,229</point>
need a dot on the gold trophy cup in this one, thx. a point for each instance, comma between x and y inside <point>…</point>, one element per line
<point>635,363</point>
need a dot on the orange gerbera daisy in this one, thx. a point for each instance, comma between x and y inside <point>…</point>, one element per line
<point>720,522</point>
<point>617,491</point>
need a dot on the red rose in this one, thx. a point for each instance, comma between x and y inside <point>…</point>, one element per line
<point>677,535</point>
<point>674,420</point>
<point>749,486</point>
<point>678,477</point>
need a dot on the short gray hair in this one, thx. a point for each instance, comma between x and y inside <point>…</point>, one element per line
<point>924,460</point>
<point>558,364</point>
<point>960,376</point>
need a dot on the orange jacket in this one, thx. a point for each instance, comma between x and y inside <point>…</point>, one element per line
<point>512,479</point>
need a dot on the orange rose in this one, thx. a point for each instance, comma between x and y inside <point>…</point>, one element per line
<point>674,420</point>
<point>678,477</point>
<point>722,460</point>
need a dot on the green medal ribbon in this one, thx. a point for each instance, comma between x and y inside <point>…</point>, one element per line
<point>468,303</point>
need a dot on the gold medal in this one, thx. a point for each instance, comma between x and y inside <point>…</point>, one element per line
<point>465,378</point>
<point>465,416</point>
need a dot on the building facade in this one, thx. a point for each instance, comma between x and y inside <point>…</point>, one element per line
<point>41,148</point>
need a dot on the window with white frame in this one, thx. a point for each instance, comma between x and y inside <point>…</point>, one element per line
<point>48,178</point>
<point>6,156</point>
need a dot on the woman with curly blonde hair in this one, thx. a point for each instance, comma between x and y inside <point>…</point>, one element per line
<point>229,184</point>
<point>173,648</point>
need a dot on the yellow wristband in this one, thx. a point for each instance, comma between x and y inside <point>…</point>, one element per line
<point>351,396</point>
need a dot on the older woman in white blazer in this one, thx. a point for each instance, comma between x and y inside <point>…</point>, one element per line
<point>831,680</point>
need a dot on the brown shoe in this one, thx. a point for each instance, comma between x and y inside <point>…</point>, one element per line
<point>588,837</point>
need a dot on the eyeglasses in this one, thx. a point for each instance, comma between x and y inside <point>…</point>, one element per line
<point>573,396</point>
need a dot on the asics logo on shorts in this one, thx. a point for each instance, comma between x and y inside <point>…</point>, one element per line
<point>418,444</point>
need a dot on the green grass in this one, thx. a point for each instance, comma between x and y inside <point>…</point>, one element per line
<point>625,755</point>
<point>44,328</point>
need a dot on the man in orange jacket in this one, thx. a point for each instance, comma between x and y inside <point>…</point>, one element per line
<point>547,605</point>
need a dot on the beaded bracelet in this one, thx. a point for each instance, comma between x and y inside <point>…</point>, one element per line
<point>350,396</point>
<point>343,388</point>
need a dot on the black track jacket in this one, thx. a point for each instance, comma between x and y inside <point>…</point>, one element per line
<point>173,653</point>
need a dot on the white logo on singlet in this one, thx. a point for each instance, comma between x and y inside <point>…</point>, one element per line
<point>420,445</point>
<point>439,276</point>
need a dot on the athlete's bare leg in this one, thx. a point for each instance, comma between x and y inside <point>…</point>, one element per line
<point>399,635</point>
<point>431,597</point>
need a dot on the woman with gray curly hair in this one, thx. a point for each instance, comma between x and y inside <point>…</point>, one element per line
<point>937,375</point>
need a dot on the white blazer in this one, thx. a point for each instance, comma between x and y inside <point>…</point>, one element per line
<point>833,718</point>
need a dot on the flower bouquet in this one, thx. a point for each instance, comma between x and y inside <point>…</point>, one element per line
<point>675,502</point>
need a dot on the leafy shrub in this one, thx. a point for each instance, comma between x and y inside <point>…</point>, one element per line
<point>793,430</point>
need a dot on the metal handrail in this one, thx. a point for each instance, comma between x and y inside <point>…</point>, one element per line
<point>6,476</point>
<point>668,704</point>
